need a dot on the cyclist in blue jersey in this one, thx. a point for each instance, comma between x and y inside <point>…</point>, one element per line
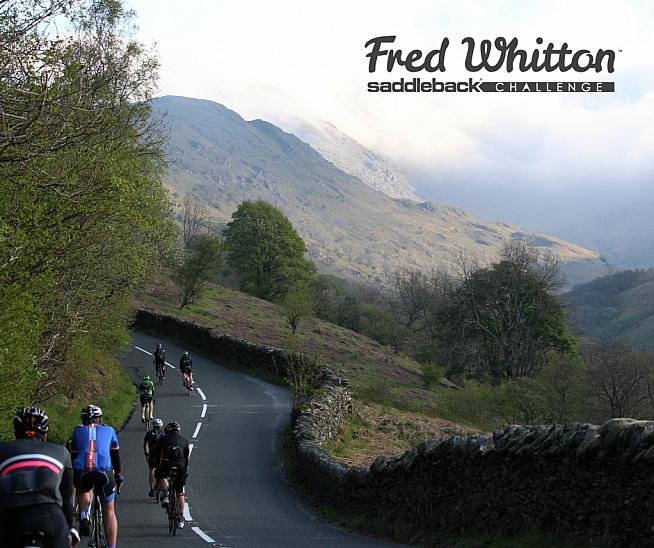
<point>96,466</point>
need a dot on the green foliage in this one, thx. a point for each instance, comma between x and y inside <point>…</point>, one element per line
<point>265,251</point>
<point>84,218</point>
<point>303,373</point>
<point>202,257</point>
<point>297,304</point>
<point>500,322</point>
<point>378,324</point>
<point>431,373</point>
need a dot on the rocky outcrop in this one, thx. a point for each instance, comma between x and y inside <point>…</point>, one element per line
<point>578,479</point>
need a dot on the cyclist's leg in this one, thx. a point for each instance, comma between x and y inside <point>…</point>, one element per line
<point>83,487</point>
<point>151,408</point>
<point>107,489</point>
<point>143,400</point>
<point>180,482</point>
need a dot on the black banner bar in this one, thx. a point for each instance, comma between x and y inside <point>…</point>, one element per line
<point>548,87</point>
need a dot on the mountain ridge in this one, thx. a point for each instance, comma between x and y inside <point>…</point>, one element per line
<point>350,229</point>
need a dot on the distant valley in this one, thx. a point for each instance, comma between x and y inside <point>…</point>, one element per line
<point>352,227</point>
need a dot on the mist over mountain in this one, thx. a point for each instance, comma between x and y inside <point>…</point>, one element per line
<point>353,158</point>
<point>350,229</point>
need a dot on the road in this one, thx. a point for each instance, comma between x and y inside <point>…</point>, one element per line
<point>236,493</point>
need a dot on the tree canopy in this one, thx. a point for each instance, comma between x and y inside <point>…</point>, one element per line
<point>265,251</point>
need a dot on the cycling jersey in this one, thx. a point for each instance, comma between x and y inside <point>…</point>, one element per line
<point>160,355</point>
<point>95,447</point>
<point>185,363</point>
<point>173,450</point>
<point>150,444</point>
<point>146,388</point>
<point>34,473</point>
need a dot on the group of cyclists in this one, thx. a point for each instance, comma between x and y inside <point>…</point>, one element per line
<point>41,481</point>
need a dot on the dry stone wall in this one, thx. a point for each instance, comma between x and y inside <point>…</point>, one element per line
<point>580,479</point>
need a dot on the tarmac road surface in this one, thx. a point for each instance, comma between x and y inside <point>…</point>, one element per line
<point>235,491</point>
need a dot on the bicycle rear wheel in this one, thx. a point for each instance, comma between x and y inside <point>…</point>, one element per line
<point>172,509</point>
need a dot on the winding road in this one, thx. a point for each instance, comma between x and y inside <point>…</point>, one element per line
<point>236,493</point>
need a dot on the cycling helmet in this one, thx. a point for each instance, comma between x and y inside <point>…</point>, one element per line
<point>157,423</point>
<point>90,413</point>
<point>146,377</point>
<point>30,422</point>
<point>173,427</point>
<point>159,345</point>
<point>185,353</point>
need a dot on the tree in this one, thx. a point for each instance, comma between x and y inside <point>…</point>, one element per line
<point>202,256</point>
<point>194,219</point>
<point>500,322</point>
<point>297,304</point>
<point>265,251</point>
<point>618,378</point>
<point>84,218</point>
<point>562,380</point>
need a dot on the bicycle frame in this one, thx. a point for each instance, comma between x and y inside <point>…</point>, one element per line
<point>173,508</point>
<point>98,539</point>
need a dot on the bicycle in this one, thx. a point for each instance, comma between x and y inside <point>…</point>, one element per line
<point>161,372</point>
<point>173,508</point>
<point>148,419</point>
<point>98,538</point>
<point>187,384</point>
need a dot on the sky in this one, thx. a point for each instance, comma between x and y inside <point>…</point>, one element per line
<point>525,158</point>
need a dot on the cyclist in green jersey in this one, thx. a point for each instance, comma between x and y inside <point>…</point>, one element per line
<point>146,393</point>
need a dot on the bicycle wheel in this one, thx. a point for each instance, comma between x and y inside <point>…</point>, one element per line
<point>172,509</point>
<point>98,539</point>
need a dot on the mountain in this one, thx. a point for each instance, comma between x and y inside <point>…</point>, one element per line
<point>353,158</point>
<point>616,308</point>
<point>350,229</point>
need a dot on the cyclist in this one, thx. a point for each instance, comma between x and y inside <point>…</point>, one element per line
<point>160,360</point>
<point>36,485</point>
<point>173,450</point>
<point>186,368</point>
<point>150,450</point>
<point>146,393</point>
<point>96,467</point>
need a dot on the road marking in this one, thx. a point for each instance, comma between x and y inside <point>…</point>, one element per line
<point>170,365</point>
<point>190,450</point>
<point>204,411</point>
<point>199,532</point>
<point>187,513</point>
<point>200,392</point>
<point>197,430</point>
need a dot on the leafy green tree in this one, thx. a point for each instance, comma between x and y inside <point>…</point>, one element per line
<point>501,322</point>
<point>203,256</point>
<point>297,304</point>
<point>265,251</point>
<point>84,218</point>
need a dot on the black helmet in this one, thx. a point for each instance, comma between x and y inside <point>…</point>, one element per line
<point>30,422</point>
<point>90,413</point>
<point>173,427</point>
<point>159,345</point>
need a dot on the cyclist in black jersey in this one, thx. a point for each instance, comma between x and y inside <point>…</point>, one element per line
<point>173,450</point>
<point>150,451</point>
<point>36,485</point>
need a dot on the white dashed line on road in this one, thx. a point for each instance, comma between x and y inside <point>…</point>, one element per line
<point>204,411</point>
<point>170,365</point>
<point>201,393</point>
<point>199,532</point>
<point>190,450</point>
<point>197,430</point>
<point>142,350</point>
<point>187,513</point>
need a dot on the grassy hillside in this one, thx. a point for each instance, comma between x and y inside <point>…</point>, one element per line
<point>376,373</point>
<point>350,229</point>
<point>617,308</point>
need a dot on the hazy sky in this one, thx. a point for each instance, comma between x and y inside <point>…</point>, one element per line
<point>287,58</point>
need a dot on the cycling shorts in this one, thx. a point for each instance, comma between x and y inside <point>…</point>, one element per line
<point>160,360</point>
<point>180,478</point>
<point>187,370</point>
<point>102,483</point>
<point>145,399</point>
<point>48,519</point>
<point>153,461</point>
